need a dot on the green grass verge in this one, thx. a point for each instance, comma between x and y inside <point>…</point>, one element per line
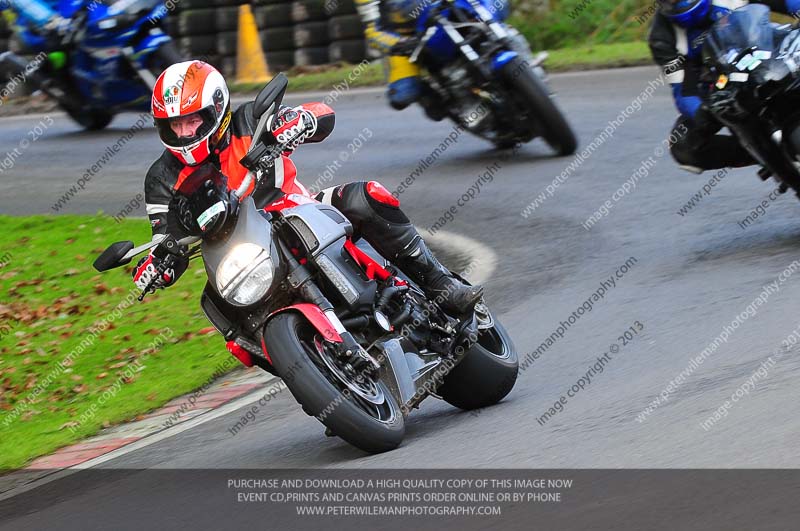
<point>51,299</point>
<point>599,56</point>
<point>577,58</point>
<point>326,78</point>
<point>570,23</point>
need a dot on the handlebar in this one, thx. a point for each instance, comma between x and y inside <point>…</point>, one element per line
<point>265,157</point>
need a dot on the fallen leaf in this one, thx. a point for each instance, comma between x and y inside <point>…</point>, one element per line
<point>99,289</point>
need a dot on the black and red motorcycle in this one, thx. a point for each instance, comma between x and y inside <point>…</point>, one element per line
<point>358,344</point>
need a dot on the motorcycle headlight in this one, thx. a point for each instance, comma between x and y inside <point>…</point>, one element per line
<point>245,274</point>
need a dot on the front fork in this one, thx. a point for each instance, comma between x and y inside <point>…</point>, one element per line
<point>300,279</point>
<point>769,152</point>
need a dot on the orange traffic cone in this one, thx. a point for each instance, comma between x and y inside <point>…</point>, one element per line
<point>251,66</point>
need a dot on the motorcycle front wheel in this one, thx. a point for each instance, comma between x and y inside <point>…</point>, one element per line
<point>365,414</point>
<point>89,119</point>
<point>531,90</point>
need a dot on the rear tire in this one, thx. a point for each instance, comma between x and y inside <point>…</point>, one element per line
<point>531,90</point>
<point>487,373</point>
<point>291,343</point>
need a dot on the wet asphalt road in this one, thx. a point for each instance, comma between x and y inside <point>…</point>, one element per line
<point>690,277</point>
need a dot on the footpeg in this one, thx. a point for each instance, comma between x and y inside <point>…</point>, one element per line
<point>691,169</point>
<point>483,316</point>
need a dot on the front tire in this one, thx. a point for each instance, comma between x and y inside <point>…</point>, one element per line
<point>486,374</point>
<point>532,92</point>
<point>294,346</point>
<point>90,119</point>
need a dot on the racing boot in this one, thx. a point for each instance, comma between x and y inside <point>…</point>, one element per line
<point>376,215</point>
<point>454,297</point>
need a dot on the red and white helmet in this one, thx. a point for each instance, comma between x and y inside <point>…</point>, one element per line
<point>187,89</point>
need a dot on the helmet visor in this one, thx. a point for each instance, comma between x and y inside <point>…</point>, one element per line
<point>183,131</point>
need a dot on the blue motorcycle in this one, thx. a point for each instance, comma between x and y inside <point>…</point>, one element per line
<point>108,64</point>
<point>481,73</point>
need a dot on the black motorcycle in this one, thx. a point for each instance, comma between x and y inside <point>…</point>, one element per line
<point>357,343</point>
<point>752,86</point>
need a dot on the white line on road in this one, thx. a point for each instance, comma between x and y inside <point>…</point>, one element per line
<point>482,259</point>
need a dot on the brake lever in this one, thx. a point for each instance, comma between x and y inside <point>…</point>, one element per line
<point>263,157</point>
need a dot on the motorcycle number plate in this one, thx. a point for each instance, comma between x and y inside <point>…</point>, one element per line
<point>204,218</point>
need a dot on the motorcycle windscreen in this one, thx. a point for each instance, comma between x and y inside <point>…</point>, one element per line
<point>740,30</point>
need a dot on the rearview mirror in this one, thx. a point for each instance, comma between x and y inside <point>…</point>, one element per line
<point>114,256</point>
<point>272,93</point>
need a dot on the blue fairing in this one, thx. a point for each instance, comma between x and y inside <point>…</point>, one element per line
<point>441,46</point>
<point>101,68</point>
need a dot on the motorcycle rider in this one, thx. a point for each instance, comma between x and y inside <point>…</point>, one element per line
<point>192,111</point>
<point>676,41</point>
<point>390,28</point>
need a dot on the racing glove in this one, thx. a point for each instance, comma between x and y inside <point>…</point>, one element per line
<point>289,122</point>
<point>58,31</point>
<point>147,269</point>
<point>59,25</point>
<point>405,46</point>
